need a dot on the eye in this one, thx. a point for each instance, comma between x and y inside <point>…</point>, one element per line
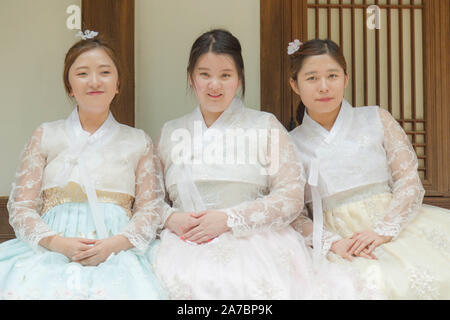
<point>333,75</point>
<point>204,74</point>
<point>82,74</point>
<point>106,72</point>
<point>311,78</point>
<point>226,75</point>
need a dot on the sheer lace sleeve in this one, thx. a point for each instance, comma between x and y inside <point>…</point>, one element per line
<point>284,202</point>
<point>167,209</point>
<point>407,188</point>
<point>149,201</point>
<point>25,201</point>
<point>304,225</point>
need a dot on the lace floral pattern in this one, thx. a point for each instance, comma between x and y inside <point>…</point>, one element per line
<point>438,239</point>
<point>304,225</point>
<point>178,289</point>
<point>265,290</point>
<point>282,205</point>
<point>407,188</point>
<point>221,251</point>
<point>25,199</point>
<point>423,283</point>
<point>150,194</point>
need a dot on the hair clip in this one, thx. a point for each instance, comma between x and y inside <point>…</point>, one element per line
<point>294,46</point>
<point>88,34</point>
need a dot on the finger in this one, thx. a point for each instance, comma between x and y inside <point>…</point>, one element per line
<point>366,251</point>
<point>87,262</point>
<point>204,240</point>
<point>354,246</point>
<point>370,254</point>
<point>94,260</point>
<point>364,255</point>
<point>363,245</point>
<point>85,254</point>
<point>198,214</point>
<point>348,257</point>
<point>350,244</point>
<point>192,223</point>
<point>192,232</point>
<point>87,241</point>
<point>80,250</point>
<point>373,245</point>
<point>83,247</point>
<point>197,236</point>
<point>360,240</point>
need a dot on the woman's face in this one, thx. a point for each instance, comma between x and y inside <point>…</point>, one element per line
<point>94,80</point>
<point>215,80</point>
<point>321,83</point>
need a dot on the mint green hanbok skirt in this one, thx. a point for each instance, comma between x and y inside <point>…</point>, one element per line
<point>27,273</point>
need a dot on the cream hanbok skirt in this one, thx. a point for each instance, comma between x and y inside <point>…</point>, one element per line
<point>415,265</point>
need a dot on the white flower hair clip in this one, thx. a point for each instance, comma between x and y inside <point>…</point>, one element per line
<point>88,34</point>
<point>294,46</point>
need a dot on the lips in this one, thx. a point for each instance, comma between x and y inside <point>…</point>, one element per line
<point>214,96</point>
<point>95,93</point>
<point>325,99</point>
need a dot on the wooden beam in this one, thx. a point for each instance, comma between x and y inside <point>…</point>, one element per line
<point>6,231</point>
<point>114,20</point>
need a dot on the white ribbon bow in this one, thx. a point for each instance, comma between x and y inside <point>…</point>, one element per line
<point>75,158</point>
<point>313,181</point>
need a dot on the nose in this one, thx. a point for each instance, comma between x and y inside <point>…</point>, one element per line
<point>94,80</point>
<point>214,84</point>
<point>323,85</point>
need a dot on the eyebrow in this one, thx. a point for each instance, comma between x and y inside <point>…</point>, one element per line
<point>229,70</point>
<point>329,70</point>
<point>101,66</point>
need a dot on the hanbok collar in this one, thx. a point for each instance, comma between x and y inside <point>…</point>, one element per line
<point>340,126</point>
<point>343,120</point>
<point>76,131</point>
<point>224,120</point>
<point>76,156</point>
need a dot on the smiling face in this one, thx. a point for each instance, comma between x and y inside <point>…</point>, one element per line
<point>215,80</point>
<point>321,83</point>
<point>93,80</point>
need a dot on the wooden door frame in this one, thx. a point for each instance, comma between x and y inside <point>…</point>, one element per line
<point>114,20</point>
<point>277,30</point>
<point>6,231</point>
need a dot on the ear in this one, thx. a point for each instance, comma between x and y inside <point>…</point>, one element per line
<point>192,83</point>
<point>345,80</point>
<point>117,88</point>
<point>239,86</point>
<point>294,86</point>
